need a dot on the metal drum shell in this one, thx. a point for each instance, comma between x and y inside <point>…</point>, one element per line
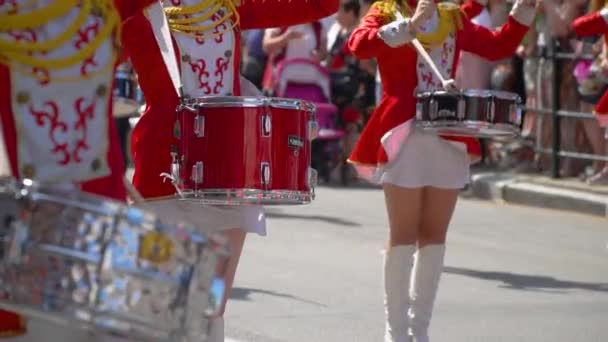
<point>91,263</point>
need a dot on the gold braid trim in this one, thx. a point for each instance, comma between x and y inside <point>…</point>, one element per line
<point>450,20</point>
<point>20,54</point>
<point>389,8</point>
<point>182,19</point>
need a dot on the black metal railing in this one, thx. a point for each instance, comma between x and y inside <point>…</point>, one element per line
<point>556,59</point>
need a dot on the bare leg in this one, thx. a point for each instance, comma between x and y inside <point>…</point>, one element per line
<point>236,238</point>
<point>595,134</point>
<point>403,206</point>
<point>437,209</point>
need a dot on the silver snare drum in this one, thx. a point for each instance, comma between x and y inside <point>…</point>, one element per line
<point>474,113</point>
<point>92,263</point>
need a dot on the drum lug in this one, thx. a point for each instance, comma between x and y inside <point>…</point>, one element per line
<point>461,109</point>
<point>491,110</point>
<point>313,180</point>
<point>175,168</point>
<point>197,173</point>
<point>313,129</point>
<point>266,125</point>
<point>419,107</point>
<point>265,172</point>
<point>199,126</point>
<point>433,109</point>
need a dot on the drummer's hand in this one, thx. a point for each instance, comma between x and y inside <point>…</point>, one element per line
<point>450,85</point>
<point>424,11</point>
<point>524,11</point>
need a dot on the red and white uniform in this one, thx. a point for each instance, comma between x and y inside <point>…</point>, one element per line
<point>56,125</point>
<point>590,25</point>
<point>389,149</point>
<point>473,8</point>
<point>208,66</point>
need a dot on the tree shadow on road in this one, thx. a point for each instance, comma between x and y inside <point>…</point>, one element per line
<point>241,293</point>
<point>327,219</point>
<point>527,282</point>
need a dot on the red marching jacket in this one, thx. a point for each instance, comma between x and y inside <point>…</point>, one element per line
<point>589,25</point>
<point>400,73</point>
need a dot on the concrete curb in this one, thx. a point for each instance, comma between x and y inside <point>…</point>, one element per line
<point>512,189</point>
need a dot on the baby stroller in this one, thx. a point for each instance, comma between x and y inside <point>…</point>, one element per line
<point>304,79</point>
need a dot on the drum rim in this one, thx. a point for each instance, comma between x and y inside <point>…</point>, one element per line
<point>228,197</point>
<point>479,93</point>
<point>249,101</point>
<point>508,129</point>
<point>36,191</point>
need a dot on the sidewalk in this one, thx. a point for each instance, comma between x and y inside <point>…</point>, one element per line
<point>539,191</point>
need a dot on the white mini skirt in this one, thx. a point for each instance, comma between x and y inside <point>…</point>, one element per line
<point>425,159</point>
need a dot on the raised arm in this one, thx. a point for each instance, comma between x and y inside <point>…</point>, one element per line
<point>473,8</point>
<point>279,13</point>
<point>499,44</point>
<point>591,24</point>
<point>374,36</point>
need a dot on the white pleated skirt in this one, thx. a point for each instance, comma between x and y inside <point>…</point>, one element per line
<point>425,159</point>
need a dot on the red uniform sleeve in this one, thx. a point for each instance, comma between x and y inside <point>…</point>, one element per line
<point>492,45</point>
<point>128,8</point>
<point>364,42</point>
<point>471,8</point>
<point>256,14</point>
<point>590,25</point>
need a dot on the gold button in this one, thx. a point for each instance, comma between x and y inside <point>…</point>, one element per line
<point>23,97</point>
<point>186,59</point>
<point>28,171</point>
<point>101,90</point>
<point>95,165</point>
<point>228,53</point>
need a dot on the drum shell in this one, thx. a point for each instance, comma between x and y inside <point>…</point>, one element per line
<point>474,113</point>
<point>83,261</point>
<point>254,150</point>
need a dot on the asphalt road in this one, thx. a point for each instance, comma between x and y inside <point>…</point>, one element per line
<point>512,274</point>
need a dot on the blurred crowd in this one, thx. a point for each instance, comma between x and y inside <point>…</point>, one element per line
<point>312,62</point>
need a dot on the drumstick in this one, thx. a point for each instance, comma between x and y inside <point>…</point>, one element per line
<point>422,52</point>
<point>135,196</point>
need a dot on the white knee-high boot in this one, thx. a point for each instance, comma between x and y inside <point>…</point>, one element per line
<point>216,332</point>
<point>398,262</point>
<point>428,266</point>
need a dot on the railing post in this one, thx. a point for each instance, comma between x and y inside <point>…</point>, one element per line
<point>555,106</point>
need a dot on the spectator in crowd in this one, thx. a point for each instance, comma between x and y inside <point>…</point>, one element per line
<point>254,57</point>
<point>591,77</point>
<point>474,71</point>
<point>352,80</point>
<point>307,41</point>
<point>552,23</point>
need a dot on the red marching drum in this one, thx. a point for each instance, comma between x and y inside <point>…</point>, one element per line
<point>244,150</point>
